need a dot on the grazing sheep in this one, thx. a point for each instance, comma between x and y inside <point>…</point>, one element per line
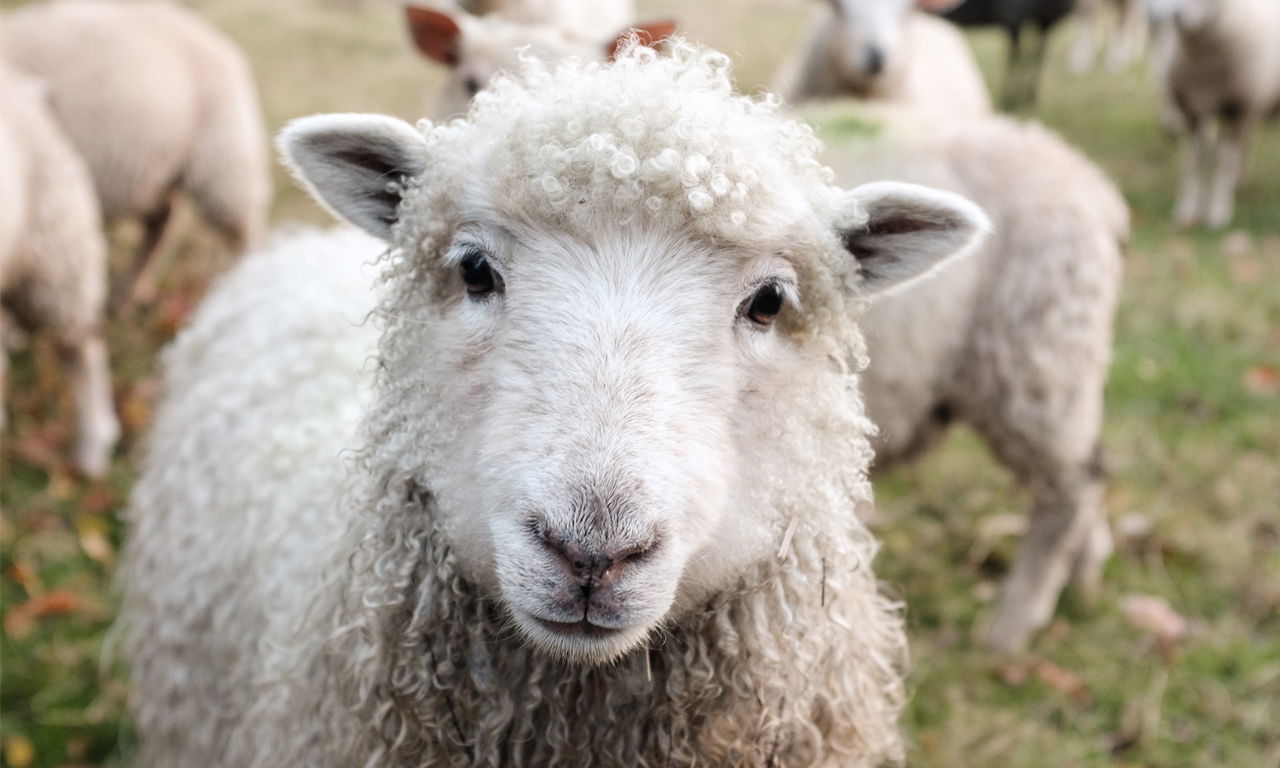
<point>475,48</point>
<point>1224,69</point>
<point>1128,33</point>
<point>592,20</point>
<point>53,260</point>
<point>885,50</point>
<point>1022,74</point>
<point>157,102</point>
<point>1015,341</point>
<point>601,507</point>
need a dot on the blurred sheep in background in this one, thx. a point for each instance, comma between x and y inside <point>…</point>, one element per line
<point>53,258</point>
<point>157,102</point>
<point>885,50</point>
<point>1122,23</point>
<point>1223,76</point>
<point>475,48</point>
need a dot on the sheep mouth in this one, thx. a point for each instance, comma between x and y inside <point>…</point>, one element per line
<point>576,629</point>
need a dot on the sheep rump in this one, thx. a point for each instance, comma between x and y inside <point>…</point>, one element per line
<point>323,609</point>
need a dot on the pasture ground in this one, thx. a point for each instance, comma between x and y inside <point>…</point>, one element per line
<point>1192,431</point>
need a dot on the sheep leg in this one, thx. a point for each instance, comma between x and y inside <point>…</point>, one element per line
<point>1083,49</point>
<point>1064,518</point>
<point>1187,211</point>
<point>1130,36</point>
<point>141,281</point>
<point>96,426</point>
<point>1231,150</point>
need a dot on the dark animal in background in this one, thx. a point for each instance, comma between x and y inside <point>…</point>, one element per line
<point>1026,53</point>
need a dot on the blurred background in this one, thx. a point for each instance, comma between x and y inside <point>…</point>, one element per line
<point>1192,432</point>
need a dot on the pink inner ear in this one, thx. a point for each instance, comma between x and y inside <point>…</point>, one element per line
<point>435,34</point>
<point>651,34</point>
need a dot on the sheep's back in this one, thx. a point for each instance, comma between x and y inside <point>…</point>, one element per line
<point>137,86</point>
<point>241,482</point>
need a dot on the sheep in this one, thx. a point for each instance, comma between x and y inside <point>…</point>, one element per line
<point>885,51</point>
<point>1224,68</point>
<point>1022,74</point>
<point>157,102</point>
<point>1015,341</point>
<point>591,20</point>
<point>601,507</point>
<point>475,48</point>
<point>53,258</point>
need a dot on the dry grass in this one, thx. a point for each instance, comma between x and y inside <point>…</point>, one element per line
<point>1193,429</point>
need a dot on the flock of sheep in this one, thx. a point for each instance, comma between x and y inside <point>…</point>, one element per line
<point>574,473</point>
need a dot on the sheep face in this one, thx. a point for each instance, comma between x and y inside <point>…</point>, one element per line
<point>869,37</point>
<point>615,366</point>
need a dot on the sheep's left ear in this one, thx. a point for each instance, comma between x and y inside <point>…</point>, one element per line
<point>899,232</point>
<point>355,165</point>
<point>650,34</point>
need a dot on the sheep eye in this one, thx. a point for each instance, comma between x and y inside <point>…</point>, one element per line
<point>472,86</point>
<point>477,274</point>
<point>765,304</point>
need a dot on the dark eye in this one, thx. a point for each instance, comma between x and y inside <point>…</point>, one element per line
<point>477,274</point>
<point>472,86</point>
<point>765,304</point>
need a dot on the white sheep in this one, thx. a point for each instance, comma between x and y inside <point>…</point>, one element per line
<point>1014,341</point>
<point>1224,68</point>
<point>590,20</point>
<point>885,50</point>
<point>475,48</point>
<point>53,259</point>
<point>601,505</point>
<point>157,102</point>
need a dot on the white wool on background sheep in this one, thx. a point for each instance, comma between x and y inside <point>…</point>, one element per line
<point>602,504</point>
<point>157,102</point>
<point>589,20</point>
<point>1121,23</point>
<point>53,259</point>
<point>1223,76</point>
<point>885,50</point>
<point>475,48</point>
<point>1015,341</point>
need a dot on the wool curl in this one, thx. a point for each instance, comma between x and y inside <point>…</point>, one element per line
<point>395,657</point>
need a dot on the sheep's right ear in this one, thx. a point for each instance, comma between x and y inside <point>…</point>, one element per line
<point>899,232</point>
<point>436,34</point>
<point>650,34</point>
<point>355,165</point>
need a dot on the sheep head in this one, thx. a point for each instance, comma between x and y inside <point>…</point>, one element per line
<point>869,38</point>
<point>608,278</point>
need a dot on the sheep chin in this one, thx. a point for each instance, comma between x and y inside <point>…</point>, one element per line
<point>582,642</point>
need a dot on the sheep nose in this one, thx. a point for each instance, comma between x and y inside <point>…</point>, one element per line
<point>875,61</point>
<point>587,565</point>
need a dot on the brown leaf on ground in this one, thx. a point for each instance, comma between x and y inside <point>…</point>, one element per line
<point>1262,380</point>
<point>1067,682</point>
<point>39,450</point>
<point>173,312</point>
<point>20,621</point>
<point>1153,614</point>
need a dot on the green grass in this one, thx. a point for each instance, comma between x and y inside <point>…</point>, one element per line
<point>1192,432</point>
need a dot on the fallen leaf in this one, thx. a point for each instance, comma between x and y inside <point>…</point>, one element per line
<point>18,752</point>
<point>172,312</point>
<point>1067,682</point>
<point>1262,380</point>
<point>59,601</point>
<point>1247,270</point>
<point>38,450</point>
<point>1153,614</point>
<point>96,546</point>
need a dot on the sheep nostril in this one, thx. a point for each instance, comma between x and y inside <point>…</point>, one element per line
<point>875,61</point>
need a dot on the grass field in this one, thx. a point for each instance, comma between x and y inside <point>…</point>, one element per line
<point>1192,431</point>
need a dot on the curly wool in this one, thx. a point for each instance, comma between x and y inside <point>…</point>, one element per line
<point>390,653</point>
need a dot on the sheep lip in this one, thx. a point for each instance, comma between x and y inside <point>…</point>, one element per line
<point>582,628</point>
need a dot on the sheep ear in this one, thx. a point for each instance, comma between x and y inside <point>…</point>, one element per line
<point>355,165</point>
<point>904,231</point>
<point>650,34</point>
<point>435,33</point>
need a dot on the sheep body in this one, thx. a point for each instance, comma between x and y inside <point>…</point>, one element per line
<point>922,62</point>
<point>156,101</point>
<point>1015,341</point>
<point>53,259</point>
<point>302,615</point>
<point>1224,68</point>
